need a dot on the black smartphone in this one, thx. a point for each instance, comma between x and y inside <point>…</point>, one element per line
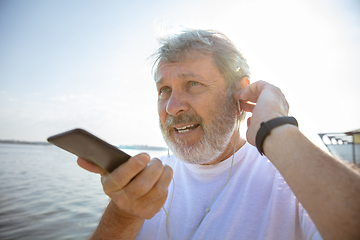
<point>91,148</point>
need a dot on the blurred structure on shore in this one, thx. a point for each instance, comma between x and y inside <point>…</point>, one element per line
<point>344,146</point>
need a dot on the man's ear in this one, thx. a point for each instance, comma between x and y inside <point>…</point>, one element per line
<point>243,83</point>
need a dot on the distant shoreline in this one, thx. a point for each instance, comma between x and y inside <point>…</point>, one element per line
<point>23,142</point>
<point>143,147</point>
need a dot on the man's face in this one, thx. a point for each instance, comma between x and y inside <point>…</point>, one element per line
<point>197,114</point>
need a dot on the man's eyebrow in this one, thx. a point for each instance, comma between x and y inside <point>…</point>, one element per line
<point>190,76</point>
<point>184,76</point>
<point>159,82</point>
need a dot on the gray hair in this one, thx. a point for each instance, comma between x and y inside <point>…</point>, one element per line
<point>227,56</point>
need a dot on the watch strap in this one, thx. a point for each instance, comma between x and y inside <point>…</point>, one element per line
<point>266,127</point>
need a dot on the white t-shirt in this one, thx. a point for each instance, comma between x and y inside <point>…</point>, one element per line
<point>256,203</point>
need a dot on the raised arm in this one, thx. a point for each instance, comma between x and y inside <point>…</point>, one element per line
<point>138,190</point>
<point>328,190</point>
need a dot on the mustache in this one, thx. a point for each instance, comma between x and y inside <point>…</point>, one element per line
<point>183,118</point>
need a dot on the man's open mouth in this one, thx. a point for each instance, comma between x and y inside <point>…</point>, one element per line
<point>186,128</point>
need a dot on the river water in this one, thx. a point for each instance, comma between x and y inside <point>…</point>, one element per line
<point>44,194</point>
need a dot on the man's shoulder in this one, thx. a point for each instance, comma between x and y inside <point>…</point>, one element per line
<point>253,161</point>
<point>250,152</point>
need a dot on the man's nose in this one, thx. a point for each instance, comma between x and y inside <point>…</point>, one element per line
<point>176,104</point>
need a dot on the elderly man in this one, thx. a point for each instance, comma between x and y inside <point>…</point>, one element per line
<point>217,185</point>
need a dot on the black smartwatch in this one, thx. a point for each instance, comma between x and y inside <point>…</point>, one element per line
<point>266,127</point>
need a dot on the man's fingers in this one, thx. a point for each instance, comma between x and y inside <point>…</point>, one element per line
<point>251,92</point>
<point>149,192</point>
<point>123,174</point>
<point>143,209</point>
<point>155,207</point>
<point>248,121</point>
<point>247,106</point>
<point>146,194</point>
<point>161,186</point>
<point>138,187</point>
<point>91,167</point>
<point>145,181</point>
<point>158,194</point>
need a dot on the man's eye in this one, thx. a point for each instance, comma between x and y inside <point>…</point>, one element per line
<point>194,83</point>
<point>164,93</point>
<point>164,89</point>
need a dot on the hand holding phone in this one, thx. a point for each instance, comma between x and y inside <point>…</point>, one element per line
<point>141,200</point>
<point>91,148</point>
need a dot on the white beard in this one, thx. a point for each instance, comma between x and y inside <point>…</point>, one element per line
<point>216,135</point>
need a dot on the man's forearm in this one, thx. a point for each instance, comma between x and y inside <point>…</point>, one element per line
<point>328,190</point>
<point>114,226</point>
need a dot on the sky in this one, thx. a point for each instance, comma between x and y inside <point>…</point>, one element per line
<point>68,64</point>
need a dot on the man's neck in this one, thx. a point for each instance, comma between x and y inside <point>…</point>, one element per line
<point>230,149</point>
